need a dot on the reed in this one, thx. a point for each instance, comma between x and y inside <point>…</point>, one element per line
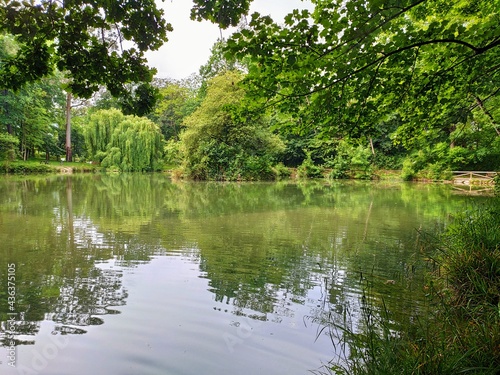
<point>457,331</point>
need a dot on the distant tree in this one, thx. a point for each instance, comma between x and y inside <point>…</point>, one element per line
<point>30,115</point>
<point>86,40</point>
<point>224,140</point>
<point>171,109</point>
<point>50,143</point>
<point>128,143</point>
<point>218,62</point>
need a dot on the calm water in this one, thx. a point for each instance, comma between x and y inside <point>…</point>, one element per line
<point>135,274</point>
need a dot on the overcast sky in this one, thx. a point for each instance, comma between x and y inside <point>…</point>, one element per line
<point>189,44</point>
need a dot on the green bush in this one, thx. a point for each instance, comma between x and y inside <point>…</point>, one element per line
<point>435,162</point>
<point>223,140</point>
<point>339,166</point>
<point>308,169</point>
<point>409,171</point>
<point>393,162</point>
<point>350,161</point>
<point>18,167</point>
<point>361,162</point>
<point>458,157</point>
<point>280,171</point>
<point>435,171</point>
<point>257,167</point>
<point>172,152</point>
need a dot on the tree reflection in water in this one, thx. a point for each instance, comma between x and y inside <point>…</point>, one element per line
<point>263,247</point>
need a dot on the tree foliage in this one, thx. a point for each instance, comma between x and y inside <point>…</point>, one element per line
<point>359,68</point>
<point>174,105</point>
<point>8,145</point>
<point>225,13</point>
<point>94,42</point>
<point>218,62</point>
<point>128,143</point>
<point>223,140</point>
<point>356,61</point>
<point>31,116</point>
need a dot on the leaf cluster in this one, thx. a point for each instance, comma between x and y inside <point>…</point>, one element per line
<point>347,65</point>
<point>225,13</point>
<point>95,42</point>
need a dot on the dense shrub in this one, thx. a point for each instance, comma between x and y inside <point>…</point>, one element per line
<point>281,171</point>
<point>434,162</point>
<point>225,141</point>
<point>19,167</point>
<point>308,169</point>
<point>350,161</point>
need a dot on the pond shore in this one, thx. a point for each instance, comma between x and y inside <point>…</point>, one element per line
<point>38,166</point>
<point>44,167</point>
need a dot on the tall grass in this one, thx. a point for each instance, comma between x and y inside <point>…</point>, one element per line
<point>470,261</point>
<point>457,331</point>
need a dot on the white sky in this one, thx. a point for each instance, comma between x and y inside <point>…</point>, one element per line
<point>189,44</point>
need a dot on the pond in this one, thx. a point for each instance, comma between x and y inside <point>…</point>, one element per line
<point>137,274</point>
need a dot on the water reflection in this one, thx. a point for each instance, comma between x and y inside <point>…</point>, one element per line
<point>263,248</point>
<point>82,298</point>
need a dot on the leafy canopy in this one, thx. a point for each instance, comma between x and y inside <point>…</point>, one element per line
<point>223,140</point>
<point>347,65</point>
<point>223,12</point>
<point>96,42</point>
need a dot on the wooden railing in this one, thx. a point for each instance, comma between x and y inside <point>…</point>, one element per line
<point>474,177</point>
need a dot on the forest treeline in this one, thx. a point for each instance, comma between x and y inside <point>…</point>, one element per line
<point>341,91</point>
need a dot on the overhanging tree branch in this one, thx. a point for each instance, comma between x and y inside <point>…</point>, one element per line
<point>372,30</point>
<point>385,56</point>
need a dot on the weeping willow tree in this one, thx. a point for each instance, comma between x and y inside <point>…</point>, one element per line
<point>98,132</point>
<point>127,143</point>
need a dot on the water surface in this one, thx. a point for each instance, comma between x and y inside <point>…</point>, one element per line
<point>136,274</point>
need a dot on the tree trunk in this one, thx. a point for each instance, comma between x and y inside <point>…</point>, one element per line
<point>69,197</point>
<point>22,143</point>
<point>69,156</point>
<point>6,110</point>
<point>371,146</point>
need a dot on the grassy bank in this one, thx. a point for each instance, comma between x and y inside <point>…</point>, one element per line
<point>457,329</point>
<point>39,166</point>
